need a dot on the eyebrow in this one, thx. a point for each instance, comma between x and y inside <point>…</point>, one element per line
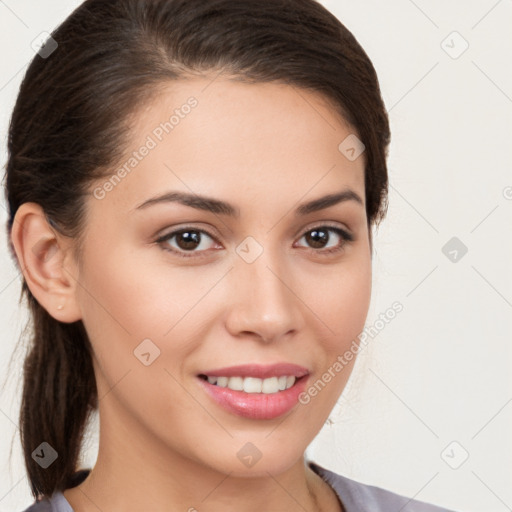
<point>223,208</point>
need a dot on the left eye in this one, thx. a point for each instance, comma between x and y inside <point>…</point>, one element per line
<point>318,238</point>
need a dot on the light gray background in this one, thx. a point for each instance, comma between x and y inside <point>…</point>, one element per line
<point>438,375</point>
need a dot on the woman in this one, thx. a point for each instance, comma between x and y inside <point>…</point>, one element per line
<point>192,187</point>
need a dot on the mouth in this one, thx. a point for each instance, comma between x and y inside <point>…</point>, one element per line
<point>267,386</point>
<point>254,391</point>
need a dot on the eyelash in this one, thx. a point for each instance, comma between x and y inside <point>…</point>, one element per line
<point>345,236</point>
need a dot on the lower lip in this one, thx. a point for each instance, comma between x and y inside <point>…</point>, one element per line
<point>256,406</point>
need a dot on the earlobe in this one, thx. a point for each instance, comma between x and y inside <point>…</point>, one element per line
<point>41,254</point>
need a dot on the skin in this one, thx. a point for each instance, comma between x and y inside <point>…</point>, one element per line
<point>164,444</point>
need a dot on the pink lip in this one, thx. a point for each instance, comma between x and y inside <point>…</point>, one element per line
<point>260,371</point>
<point>260,406</point>
<point>256,406</point>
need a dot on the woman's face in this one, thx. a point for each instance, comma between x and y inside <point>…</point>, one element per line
<point>262,282</point>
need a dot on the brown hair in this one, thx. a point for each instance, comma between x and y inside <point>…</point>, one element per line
<point>69,127</point>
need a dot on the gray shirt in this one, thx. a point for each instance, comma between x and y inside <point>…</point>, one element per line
<point>354,496</point>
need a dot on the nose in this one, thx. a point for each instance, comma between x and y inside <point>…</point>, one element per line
<point>264,302</point>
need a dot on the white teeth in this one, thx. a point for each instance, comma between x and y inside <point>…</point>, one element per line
<point>270,385</point>
<point>222,381</point>
<point>236,383</point>
<point>253,384</point>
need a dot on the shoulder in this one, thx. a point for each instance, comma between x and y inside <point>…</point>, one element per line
<point>40,506</point>
<point>357,496</point>
<point>55,503</point>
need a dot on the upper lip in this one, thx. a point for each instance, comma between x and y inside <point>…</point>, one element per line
<point>259,371</point>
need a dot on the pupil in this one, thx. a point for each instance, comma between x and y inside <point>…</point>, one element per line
<point>318,238</point>
<point>191,239</point>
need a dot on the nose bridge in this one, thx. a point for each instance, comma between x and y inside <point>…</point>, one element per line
<point>263,299</point>
<point>260,267</point>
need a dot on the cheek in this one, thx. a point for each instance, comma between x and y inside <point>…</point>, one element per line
<point>129,294</point>
<point>340,299</point>
<point>128,300</point>
<point>341,307</point>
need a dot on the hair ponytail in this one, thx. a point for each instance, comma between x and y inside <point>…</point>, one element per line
<point>59,394</point>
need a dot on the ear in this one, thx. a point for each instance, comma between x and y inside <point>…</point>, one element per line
<point>45,258</point>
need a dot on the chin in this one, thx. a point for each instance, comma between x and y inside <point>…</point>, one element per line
<point>263,455</point>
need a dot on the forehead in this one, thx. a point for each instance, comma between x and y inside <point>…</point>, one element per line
<point>233,139</point>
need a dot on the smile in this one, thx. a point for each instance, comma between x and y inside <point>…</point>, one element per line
<point>256,392</point>
<point>253,384</point>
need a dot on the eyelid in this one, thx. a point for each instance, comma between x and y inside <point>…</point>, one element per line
<point>169,231</point>
<point>329,224</point>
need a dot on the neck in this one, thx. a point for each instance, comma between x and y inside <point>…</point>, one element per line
<point>277,492</point>
<point>134,475</point>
